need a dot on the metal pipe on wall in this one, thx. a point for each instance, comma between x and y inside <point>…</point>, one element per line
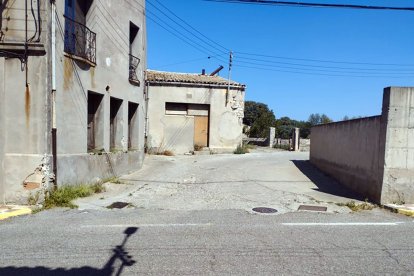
<point>54,128</point>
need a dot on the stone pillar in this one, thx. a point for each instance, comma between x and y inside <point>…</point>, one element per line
<point>295,139</point>
<point>397,131</point>
<point>272,134</point>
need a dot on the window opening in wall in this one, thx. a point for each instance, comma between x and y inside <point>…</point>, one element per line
<point>94,119</point>
<point>80,41</point>
<point>176,108</point>
<point>133,54</point>
<point>132,125</point>
<point>115,125</point>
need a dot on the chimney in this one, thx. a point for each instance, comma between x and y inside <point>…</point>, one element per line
<point>203,72</point>
<point>216,71</point>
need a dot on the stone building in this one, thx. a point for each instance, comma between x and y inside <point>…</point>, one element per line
<point>71,91</point>
<point>193,111</point>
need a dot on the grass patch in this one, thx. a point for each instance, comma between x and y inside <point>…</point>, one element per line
<point>241,149</point>
<point>113,180</point>
<point>63,196</point>
<point>355,207</point>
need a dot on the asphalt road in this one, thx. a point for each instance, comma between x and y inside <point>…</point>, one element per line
<point>193,216</point>
<point>221,242</point>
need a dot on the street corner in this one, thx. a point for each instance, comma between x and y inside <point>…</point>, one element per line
<point>404,209</point>
<point>8,211</point>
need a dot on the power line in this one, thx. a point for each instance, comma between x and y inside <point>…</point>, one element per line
<point>309,5</point>
<point>223,49</point>
<point>264,62</point>
<point>188,61</point>
<point>322,74</point>
<point>323,61</point>
<point>178,34</point>
<point>267,62</point>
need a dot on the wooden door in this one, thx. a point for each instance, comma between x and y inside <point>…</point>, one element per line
<point>201,131</point>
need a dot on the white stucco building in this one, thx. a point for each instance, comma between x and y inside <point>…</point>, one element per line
<point>188,111</point>
<point>76,68</point>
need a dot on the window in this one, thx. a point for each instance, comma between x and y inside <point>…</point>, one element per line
<point>115,121</point>
<point>187,109</point>
<point>133,53</point>
<point>176,108</point>
<point>80,41</point>
<point>132,125</point>
<point>95,121</point>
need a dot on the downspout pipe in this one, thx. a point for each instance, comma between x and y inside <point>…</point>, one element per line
<point>54,128</point>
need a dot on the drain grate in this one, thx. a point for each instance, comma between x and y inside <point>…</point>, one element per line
<point>118,205</point>
<point>264,210</point>
<point>312,208</point>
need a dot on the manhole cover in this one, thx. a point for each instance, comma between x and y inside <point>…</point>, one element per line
<point>312,208</point>
<point>264,210</point>
<point>118,205</point>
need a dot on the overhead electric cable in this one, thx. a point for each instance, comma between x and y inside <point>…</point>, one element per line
<point>270,63</point>
<point>322,74</point>
<point>204,38</point>
<point>322,60</point>
<point>317,5</point>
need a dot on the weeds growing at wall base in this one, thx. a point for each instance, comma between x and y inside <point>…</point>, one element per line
<point>355,207</point>
<point>63,196</point>
<point>241,149</point>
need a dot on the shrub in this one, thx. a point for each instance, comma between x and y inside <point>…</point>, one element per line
<point>63,196</point>
<point>241,149</point>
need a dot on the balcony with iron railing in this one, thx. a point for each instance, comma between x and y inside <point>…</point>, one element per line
<point>80,42</point>
<point>133,68</point>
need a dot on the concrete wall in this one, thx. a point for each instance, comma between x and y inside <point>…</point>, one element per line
<point>349,151</point>
<point>2,132</point>
<point>24,112</point>
<point>398,116</point>
<point>373,156</point>
<point>26,115</point>
<point>176,132</point>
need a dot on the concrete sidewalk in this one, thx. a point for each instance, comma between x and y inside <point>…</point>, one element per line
<point>405,209</point>
<point>8,211</point>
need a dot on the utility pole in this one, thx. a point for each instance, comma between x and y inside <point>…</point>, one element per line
<point>228,86</point>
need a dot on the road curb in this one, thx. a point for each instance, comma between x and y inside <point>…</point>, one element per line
<point>400,209</point>
<point>13,211</point>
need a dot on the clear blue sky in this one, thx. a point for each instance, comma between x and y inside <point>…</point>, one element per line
<point>345,35</point>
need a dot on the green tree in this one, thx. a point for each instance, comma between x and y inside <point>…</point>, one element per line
<point>259,117</point>
<point>317,119</point>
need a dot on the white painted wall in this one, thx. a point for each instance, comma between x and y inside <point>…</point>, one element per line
<point>176,132</point>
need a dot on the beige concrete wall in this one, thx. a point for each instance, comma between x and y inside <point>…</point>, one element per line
<point>26,115</point>
<point>349,151</point>
<point>176,132</point>
<point>25,112</point>
<point>398,115</point>
<point>14,20</point>
<point>373,156</point>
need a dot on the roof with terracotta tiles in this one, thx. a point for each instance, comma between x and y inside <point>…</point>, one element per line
<point>172,77</point>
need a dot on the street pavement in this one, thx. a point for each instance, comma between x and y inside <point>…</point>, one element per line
<point>184,219</point>
<point>221,242</point>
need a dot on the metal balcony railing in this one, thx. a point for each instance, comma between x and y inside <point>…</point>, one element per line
<point>133,67</point>
<point>80,41</point>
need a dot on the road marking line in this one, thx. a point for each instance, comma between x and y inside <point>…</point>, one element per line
<point>149,225</point>
<point>345,224</point>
